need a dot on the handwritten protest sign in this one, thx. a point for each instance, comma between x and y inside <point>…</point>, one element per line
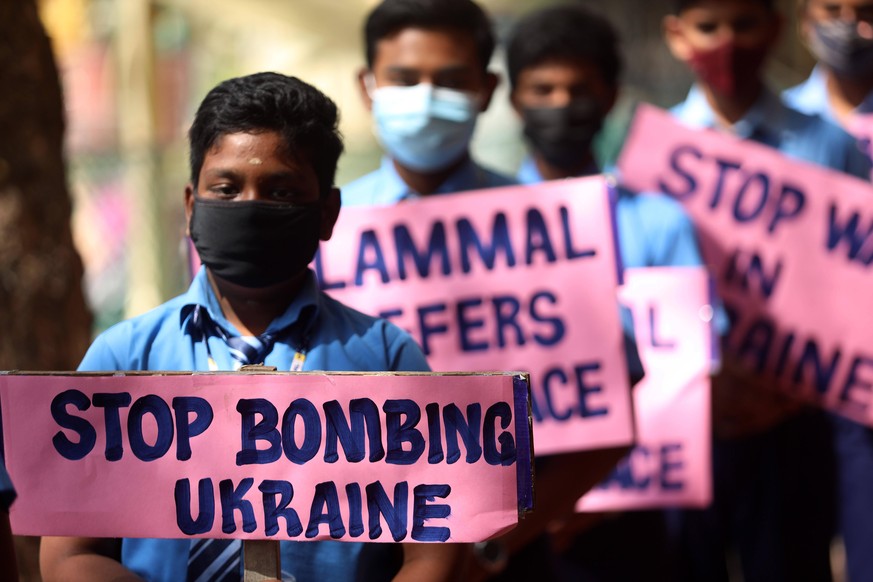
<point>306,456</point>
<point>791,247</point>
<point>671,463</point>
<point>511,278</point>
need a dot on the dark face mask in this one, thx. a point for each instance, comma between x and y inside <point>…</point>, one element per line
<point>838,45</point>
<point>255,244</point>
<point>563,135</point>
<point>729,67</point>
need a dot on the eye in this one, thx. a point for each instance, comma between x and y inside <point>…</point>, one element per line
<point>224,190</point>
<point>706,27</point>
<point>285,195</point>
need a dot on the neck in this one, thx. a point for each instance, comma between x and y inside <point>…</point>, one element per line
<point>729,109</point>
<point>427,183</point>
<point>550,171</point>
<point>251,310</point>
<point>845,95</point>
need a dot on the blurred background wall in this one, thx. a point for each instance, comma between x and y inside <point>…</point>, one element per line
<point>133,72</point>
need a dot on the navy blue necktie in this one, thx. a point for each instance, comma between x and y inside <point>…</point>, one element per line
<point>244,349</point>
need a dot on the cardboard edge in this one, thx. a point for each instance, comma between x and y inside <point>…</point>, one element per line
<point>523,443</point>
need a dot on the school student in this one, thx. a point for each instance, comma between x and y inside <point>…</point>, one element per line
<point>564,65</point>
<point>772,477</point>
<point>426,82</point>
<point>839,33</point>
<point>263,156</point>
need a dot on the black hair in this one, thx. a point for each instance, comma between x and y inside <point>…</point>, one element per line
<point>567,32</point>
<point>392,16</point>
<point>681,6</point>
<point>305,117</point>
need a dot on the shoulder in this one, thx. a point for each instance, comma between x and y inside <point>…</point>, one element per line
<point>362,191</point>
<point>653,207</point>
<point>494,179</point>
<point>372,343</point>
<point>121,346</point>
<point>827,144</point>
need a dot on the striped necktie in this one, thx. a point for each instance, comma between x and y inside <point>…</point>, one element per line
<point>215,561</point>
<point>243,349</point>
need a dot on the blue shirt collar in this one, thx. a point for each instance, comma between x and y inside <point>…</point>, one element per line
<point>394,189</point>
<point>762,122</point>
<point>812,96</point>
<point>304,307</point>
<point>528,173</point>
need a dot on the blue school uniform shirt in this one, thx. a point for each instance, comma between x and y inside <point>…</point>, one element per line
<point>811,97</point>
<point>340,339</point>
<point>797,135</point>
<point>384,186</point>
<point>653,229</point>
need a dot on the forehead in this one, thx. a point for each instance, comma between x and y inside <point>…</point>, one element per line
<point>839,3</point>
<point>252,151</point>
<point>561,72</point>
<point>427,49</point>
<point>726,10</point>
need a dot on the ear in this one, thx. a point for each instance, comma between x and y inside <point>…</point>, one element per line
<point>491,82</point>
<point>189,207</point>
<point>675,39</point>
<point>363,73</point>
<point>330,207</point>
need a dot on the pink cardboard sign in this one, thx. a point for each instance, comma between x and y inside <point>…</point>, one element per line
<point>791,247</point>
<point>671,463</point>
<point>305,456</point>
<point>518,278</point>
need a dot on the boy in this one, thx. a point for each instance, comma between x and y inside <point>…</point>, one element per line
<point>773,489</point>
<point>263,157</point>
<point>564,67</point>
<point>840,35</point>
<point>426,82</point>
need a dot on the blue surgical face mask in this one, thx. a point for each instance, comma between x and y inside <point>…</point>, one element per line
<point>423,127</point>
<point>838,45</point>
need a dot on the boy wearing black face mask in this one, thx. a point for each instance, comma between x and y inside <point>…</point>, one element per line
<point>263,156</point>
<point>839,33</point>
<point>564,64</point>
<point>772,478</point>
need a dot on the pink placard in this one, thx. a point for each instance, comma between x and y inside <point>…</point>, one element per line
<point>518,278</point>
<point>671,464</point>
<point>306,456</point>
<point>790,245</point>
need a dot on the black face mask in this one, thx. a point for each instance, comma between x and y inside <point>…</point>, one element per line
<point>563,135</point>
<point>255,244</point>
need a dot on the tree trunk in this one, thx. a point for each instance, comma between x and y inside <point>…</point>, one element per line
<point>44,320</point>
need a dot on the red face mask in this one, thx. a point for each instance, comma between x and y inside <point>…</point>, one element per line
<point>730,67</point>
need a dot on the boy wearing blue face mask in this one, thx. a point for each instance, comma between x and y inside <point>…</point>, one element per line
<point>839,33</point>
<point>426,82</point>
<point>263,155</point>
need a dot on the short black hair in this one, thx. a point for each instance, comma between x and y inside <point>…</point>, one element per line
<point>566,32</point>
<point>392,16</point>
<point>681,6</point>
<point>305,117</point>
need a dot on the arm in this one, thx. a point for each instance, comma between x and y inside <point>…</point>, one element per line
<point>431,562</point>
<point>83,560</point>
<point>560,482</point>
